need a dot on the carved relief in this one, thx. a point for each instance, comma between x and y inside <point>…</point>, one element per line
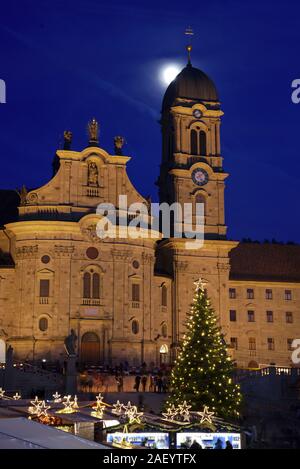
<point>32,198</point>
<point>26,251</point>
<point>64,250</point>
<point>90,233</point>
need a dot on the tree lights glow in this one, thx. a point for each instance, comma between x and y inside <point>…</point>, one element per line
<point>202,375</point>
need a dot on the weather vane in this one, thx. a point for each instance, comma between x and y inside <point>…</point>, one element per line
<point>189,33</point>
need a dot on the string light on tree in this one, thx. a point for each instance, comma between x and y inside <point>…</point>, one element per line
<point>202,375</point>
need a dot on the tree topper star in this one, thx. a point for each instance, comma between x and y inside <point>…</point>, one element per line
<point>200,284</point>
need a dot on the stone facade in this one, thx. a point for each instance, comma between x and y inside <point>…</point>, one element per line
<point>127,299</point>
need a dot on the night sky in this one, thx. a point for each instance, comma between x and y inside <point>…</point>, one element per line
<point>65,62</point>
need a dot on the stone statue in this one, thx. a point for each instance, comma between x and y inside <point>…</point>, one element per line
<point>92,174</point>
<point>67,139</point>
<point>93,131</point>
<point>23,195</point>
<point>119,143</point>
<point>70,343</point>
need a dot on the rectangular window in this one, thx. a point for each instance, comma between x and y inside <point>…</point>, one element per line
<point>288,294</point>
<point>271,343</point>
<point>251,316</point>
<point>270,317</point>
<point>250,293</point>
<point>289,317</point>
<point>289,344</point>
<point>232,315</point>
<point>252,343</point>
<point>44,288</point>
<point>269,294</point>
<point>232,293</point>
<point>135,292</point>
<point>234,343</point>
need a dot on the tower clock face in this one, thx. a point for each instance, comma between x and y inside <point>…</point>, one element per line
<point>197,113</point>
<point>200,177</point>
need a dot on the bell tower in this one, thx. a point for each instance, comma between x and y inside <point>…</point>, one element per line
<point>192,165</point>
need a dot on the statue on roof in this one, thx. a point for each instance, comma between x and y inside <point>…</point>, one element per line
<point>119,143</point>
<point>67,139</point>
<point>93,131</point>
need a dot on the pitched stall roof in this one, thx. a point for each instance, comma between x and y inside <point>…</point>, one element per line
<point>265,262</point>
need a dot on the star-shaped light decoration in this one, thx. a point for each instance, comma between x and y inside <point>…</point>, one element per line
<point>57,397</point>
<point>118,408</point>
<point>99,407</point>
<point>68,406</point>
<point>133,415</point>
<point>127,407</point>
<point>17,396</point>
<point>205,415</point>
<point>184,411</point>
<point>200,285</point>
<point>35,406</point>
<point>2,392</point>
<point>75,404</point>
<point>43,408</point>
<point>171,413</point>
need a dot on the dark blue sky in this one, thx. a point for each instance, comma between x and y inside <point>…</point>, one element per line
<point>67,61</point>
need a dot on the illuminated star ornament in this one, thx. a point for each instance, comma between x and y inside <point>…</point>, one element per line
<point>171,413</point>
<point>200,285</point>
<point>118,408</point>
<point>56,397</point>
<point>43,408</point>
<point>184,411</point>
<point>206,416</point>
<point>17,396</point>
<point>99,407</point>
<point>2,392</point>
<point>133,415</point>
<point>35,406</point>
<point>68,406</point>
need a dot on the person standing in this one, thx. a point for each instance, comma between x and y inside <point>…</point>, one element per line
<point>137,383</point>
<point>144,382</point>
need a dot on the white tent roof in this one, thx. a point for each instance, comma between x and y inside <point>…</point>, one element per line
<point>21,433</point>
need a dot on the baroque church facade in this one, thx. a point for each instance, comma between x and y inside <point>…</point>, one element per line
<point>127,299</point>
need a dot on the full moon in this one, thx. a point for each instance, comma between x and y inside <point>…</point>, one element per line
<point>169,73</point>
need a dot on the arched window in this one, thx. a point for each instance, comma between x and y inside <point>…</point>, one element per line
<point>202,141</point>
<point>164,330</point>
<point>194,142</point>
<point>96,286</point>
<point>87,285</point>
<point>201,199</point>
<point>43,324</point>
<point>164,296</point>
<point>91,284</point>
<point>135,326</point>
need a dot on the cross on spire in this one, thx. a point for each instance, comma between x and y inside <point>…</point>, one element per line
<point>189,33</point>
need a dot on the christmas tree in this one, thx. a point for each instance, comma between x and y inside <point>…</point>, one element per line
<point>202,375</point>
